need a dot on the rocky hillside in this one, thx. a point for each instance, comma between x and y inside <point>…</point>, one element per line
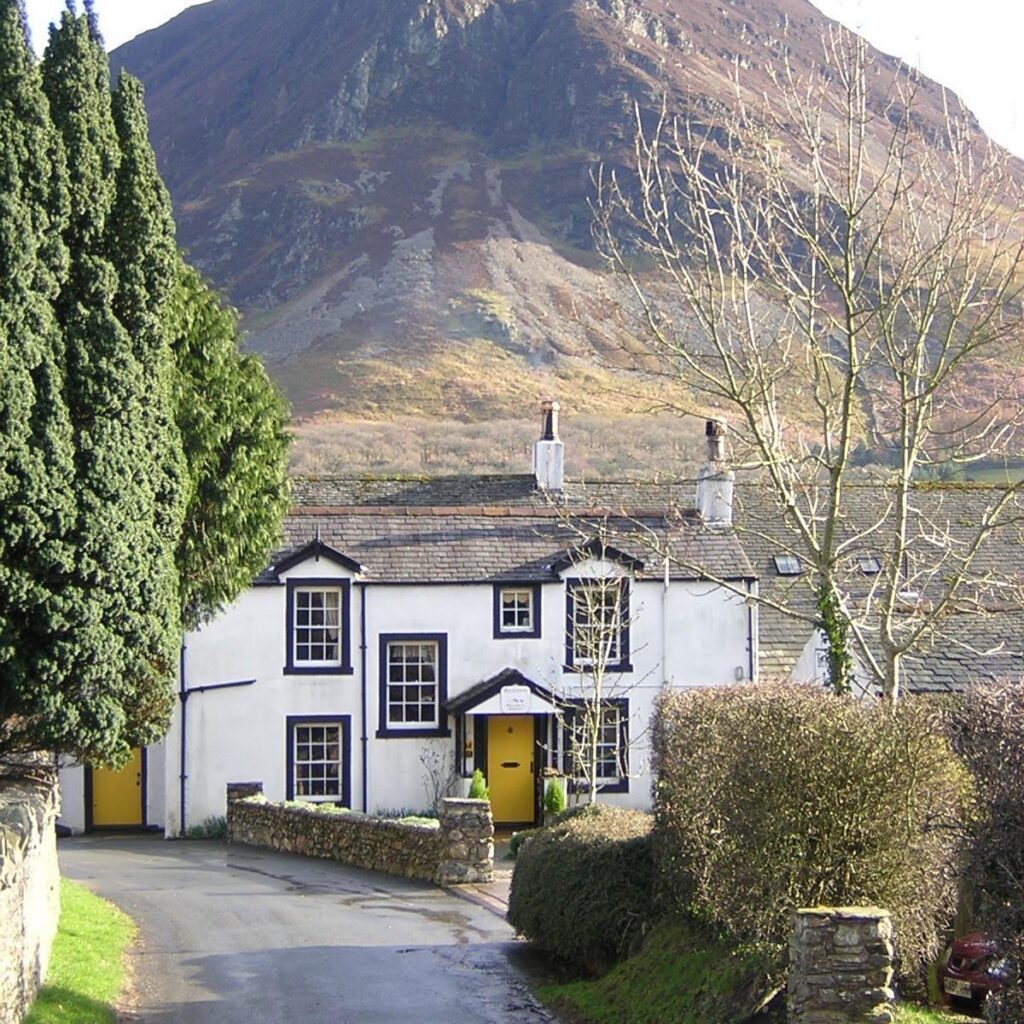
<point>396,196</point>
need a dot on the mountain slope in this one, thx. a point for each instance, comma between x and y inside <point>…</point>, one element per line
<point>395,194</point>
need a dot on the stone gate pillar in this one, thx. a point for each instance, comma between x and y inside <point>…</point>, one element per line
<point>239,791</point>
<point>840,966</point>
<point>467,835</point>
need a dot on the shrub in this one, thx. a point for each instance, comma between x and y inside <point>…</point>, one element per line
<point>209,828</point>
<point>775,796</point>
<point>517,840</point>
<point>316,807</point>
<point>1007,1006</point>
<point>987,731</point>
<point>554,796</point>
<point>478,787</point>
<point>407,813</point>
<point>582,889</point>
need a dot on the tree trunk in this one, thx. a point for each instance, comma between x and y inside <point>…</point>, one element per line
<point>893,670</point>
<point>835,626</point>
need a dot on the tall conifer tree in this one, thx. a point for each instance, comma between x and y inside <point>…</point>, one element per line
<point>237,449</point>
<point>118,539</point>
<point>39,608</point>
<point>142,249</point>
<point>143,459</point>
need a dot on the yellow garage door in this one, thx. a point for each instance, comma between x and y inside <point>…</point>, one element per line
<point>510,768</point>
<point>117,795</point>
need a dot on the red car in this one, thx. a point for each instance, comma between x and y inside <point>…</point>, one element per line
<point>972,969</point>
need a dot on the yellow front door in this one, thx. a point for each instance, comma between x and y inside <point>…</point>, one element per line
<point>510,767</point>
<point>117,795</point>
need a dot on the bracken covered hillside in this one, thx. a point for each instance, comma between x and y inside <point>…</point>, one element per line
<point>396,196</point>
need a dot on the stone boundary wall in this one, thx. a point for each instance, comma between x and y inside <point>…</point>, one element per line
<point>460,848</point>
<point>840,966</point>
<point>29,891</point>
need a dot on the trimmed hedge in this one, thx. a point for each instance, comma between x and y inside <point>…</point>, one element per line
<point>775,796</point>
<point>987,730</point>
<point>582,888</point>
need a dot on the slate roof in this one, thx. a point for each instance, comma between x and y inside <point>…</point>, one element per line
<point>478,528</point>
<point>490,528</point>
<point>981,638</point>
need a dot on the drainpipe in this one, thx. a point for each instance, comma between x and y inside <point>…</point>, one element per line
<point>364,738</point>
<point>664,626</point>
<point>752,624</point>
<point>182,776</point>
<point>183,695</point>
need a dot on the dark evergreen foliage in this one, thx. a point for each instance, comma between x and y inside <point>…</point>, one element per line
<point>130,657</point>
<point>112,354</point>
<point>141,247</point>
<point>237,452</point>
<point>37,606</point>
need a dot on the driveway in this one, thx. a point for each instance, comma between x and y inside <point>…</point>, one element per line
<point>236,935</point>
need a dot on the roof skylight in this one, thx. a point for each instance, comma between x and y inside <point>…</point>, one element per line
<point>788,565</point>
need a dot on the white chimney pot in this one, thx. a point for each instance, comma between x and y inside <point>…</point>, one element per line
<point>548,451</point>
<point>715,481</point>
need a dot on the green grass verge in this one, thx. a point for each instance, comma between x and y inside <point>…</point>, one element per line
<point>684,976</point>
<point>908,1013</point>
<point>87,965</point>
<point>681,976</point>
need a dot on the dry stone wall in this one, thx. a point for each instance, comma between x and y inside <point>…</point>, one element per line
<point>29,891</point>
<point>840,966</point>
<point>458,849</point>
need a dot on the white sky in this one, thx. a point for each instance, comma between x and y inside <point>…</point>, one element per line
<point>972,47</point>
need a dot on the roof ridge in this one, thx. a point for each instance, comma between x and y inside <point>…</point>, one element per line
<point>504,511</point>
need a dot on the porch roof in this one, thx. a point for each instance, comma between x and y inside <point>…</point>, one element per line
<point>469,700</point>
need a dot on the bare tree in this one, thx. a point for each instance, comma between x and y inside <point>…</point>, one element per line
<point>595,742</point>
<point>440,776</point>
<point>837,268</point>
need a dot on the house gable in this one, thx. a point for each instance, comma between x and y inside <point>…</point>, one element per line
<point>507,692</point>
<point>315,552</point>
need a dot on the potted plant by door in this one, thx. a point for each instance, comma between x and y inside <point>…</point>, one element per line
<point>554,798</point>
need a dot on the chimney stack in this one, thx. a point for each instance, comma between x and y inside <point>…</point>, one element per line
<point>715,480</point>
<point>549,452</point>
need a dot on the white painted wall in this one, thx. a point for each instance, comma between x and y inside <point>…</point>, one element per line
<point>72,796</point>
<point>812,667</point>
<point>690,634</point>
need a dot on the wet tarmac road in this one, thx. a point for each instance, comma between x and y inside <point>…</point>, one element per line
<point>236,935</point>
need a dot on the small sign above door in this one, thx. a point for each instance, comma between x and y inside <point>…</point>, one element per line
<point>515,700</point>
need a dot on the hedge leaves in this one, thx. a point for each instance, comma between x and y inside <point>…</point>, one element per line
<point>771,797</point>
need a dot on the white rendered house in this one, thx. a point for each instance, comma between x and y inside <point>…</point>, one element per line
<point>410,629</point>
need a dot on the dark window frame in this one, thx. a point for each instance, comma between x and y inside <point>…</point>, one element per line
<point>385,728</point>
<point>502,633</point>
<point>345,721</point>
<point>344,668</point>
<point>869,564</point>
<point>571,587</point>
<point>788,564</point>
<point>564,723</point>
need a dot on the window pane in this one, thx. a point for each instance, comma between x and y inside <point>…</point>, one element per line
<point>516,606</point>
<point>316,629</point>
<point>317,768</point>
<point>597,622</point>
<point>412,679</point>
